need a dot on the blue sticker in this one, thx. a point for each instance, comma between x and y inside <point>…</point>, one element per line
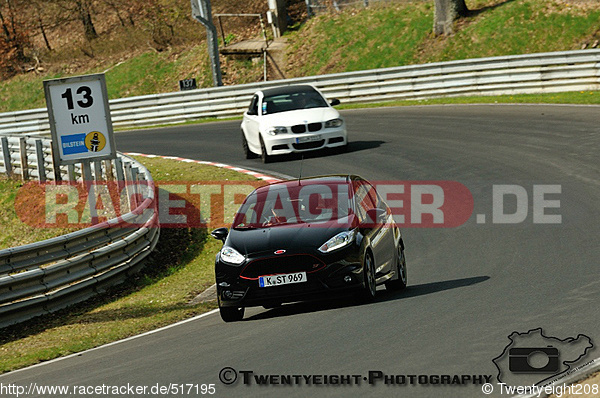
<point>74,143</point>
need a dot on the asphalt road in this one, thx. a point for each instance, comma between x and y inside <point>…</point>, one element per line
<point>470,286</point>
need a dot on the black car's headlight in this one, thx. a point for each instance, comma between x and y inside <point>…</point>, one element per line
<point>334,123</point>
<point>337,242</point>
<point>231,256</point>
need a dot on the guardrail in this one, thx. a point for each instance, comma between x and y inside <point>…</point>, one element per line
<point>49,275</point>
<point>517,74</point>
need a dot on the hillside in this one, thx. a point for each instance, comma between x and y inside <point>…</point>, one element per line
<point>147,47</point>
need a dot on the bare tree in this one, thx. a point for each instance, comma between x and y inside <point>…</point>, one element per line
<point>40,21</point>
<point>120,7</point>
<point>13,39</point>
<point>446,12</point>
<point>80,10</point>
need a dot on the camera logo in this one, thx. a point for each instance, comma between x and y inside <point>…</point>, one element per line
<point>525,360</point>
<point>532,358</point>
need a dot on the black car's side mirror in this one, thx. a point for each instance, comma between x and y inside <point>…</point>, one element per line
<point>376,215</point>
<point>335,102</point>
<point>220,234</point>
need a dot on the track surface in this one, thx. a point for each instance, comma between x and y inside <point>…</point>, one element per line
<point>470,286</point>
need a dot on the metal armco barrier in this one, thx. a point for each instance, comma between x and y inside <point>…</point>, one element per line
<point>49,275</point>
<point>517,74</point>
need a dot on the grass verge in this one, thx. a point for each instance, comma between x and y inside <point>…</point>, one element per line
<point>181,267</point>
<point>400,34</point>
<point>14,231</point>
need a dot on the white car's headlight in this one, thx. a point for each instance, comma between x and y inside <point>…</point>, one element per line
<point>334,123</point>
<point>231,256</point>
<point>337,242</point>
<point>274,130</point>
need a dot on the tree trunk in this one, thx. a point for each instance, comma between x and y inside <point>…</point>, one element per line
<point>41,26</point>
<point>85,17</point>
<point>5,29</point>
<point>446,12</point>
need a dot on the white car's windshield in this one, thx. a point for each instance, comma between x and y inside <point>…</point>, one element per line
<point>292,102</point>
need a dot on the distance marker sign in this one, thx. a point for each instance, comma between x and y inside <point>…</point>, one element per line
<point>79,119</point>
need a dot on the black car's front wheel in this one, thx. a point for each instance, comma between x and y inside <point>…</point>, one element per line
<point>400,283</point>
<point>370,287</point>
<point>231,314</point>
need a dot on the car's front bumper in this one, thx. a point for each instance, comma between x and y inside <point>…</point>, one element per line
<point>290,143</point>
<point>239,286</point>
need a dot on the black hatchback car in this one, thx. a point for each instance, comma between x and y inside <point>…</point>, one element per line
<point>302,239</point>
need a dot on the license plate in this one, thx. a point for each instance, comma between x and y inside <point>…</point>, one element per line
<point>309,138</point>
<point>281,279</point>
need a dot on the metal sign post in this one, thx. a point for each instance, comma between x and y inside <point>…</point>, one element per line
<point>80,122</point>
<point>201,11</point>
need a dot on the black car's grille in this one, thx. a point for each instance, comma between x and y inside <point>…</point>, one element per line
<point>282,265</point>
<point>309,145</point>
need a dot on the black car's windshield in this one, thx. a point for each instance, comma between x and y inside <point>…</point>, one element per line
<point>292,101</point>
<point>285,205</point>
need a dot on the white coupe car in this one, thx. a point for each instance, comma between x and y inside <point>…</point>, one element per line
<point>288,119</point>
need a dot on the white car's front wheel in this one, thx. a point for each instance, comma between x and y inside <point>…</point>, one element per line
<point>265,157</point>
<point>247,152</point>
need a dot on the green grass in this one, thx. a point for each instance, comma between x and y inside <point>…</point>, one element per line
<point>520,27</point>
<point>146,73</point>
<point>181,267</point>
<point>16,232</point>
<point>361,39</point>
<point>400,34</point>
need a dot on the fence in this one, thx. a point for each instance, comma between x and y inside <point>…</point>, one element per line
<point>321,6</point>
<point>49,275</point>
<point>531,73</point>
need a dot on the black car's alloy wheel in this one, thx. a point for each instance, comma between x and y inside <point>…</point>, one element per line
<point>400,283</point>
<point>369,275</point>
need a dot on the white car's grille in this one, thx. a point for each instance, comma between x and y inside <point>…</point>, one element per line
<point>302,128</point>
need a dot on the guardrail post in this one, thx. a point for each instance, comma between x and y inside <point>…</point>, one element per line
<point>119,170</point>
<point>56,165</point>
<point>71,173</point>
<point>121,183</point>
<point>109,170</point>
<point>135,173</point>
<point>98,171</point>
<point>88,183</point>
<point>86,171</point>
<point>41,165</point>
<point>129,184</point>
<point>6,156</point>
<point>24,165</point>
